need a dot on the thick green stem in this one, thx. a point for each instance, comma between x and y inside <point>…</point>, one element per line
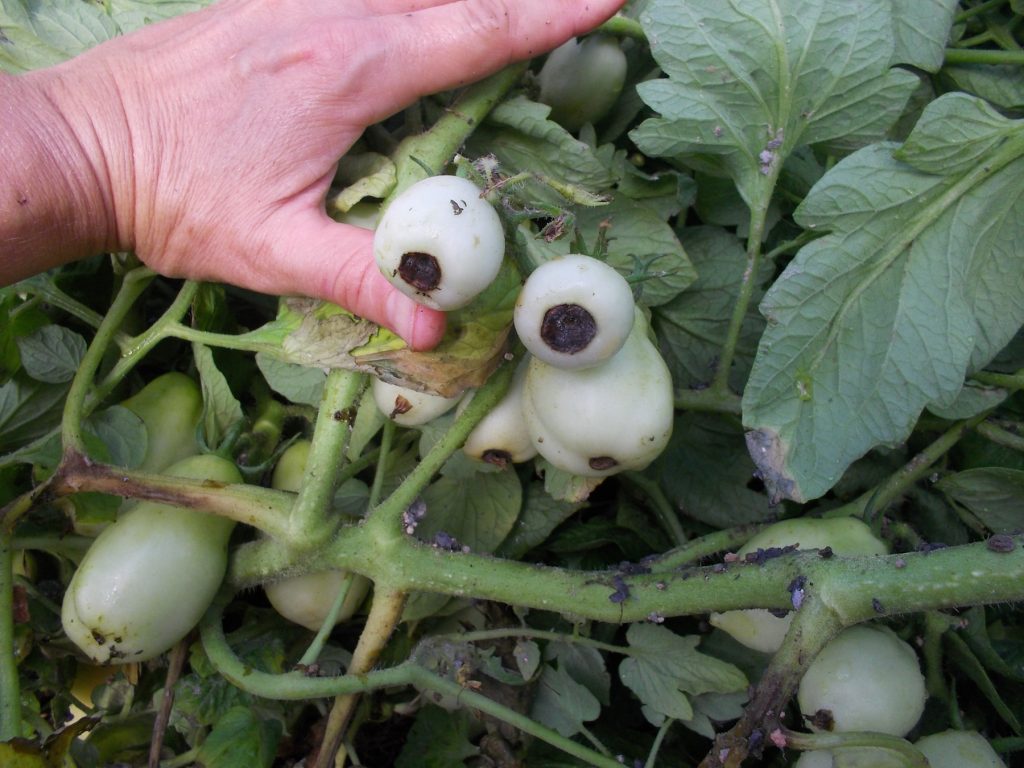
<point>728,539</point>
<point>10,692</point>
<point>984,56</point>
<point>436,147</point>
<point>135,283</point>
<point>708,400</point>
<point>814,624</point>
<point>1012,381</point>
<point>262,508</point>
<point>311,523</point>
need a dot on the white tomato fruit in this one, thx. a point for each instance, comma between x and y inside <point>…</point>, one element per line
<point>866,679</point>
<point>574,312</point>
<point>440,242</point>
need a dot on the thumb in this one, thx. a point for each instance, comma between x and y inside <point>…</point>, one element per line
<point>327,260</point>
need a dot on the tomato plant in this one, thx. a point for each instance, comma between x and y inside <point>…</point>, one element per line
<point>813,211</point>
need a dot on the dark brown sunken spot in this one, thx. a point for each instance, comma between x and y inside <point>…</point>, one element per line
<point>420,270</point>
<point>497,457</point>
<point>568,328</point>
<point>602,463</point>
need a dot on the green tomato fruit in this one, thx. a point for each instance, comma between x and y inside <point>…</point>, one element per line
<point>959,749</point>
<point>852,757</point>
<point>581,81</point>
<point>501,437</point>
<point>148,577</point>
<point>596,422</point>
<point>409,407</point>
<point>868,680</point>
<point>308,598</point>
<point>574,312</point>
<point>762,630</point>
<point>170,406</point>
<point>440,242</point>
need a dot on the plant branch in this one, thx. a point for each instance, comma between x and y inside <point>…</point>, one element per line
<point>984,56</point>
<point>997,434</point>
<point>385,615</point>
<point>310,523</point>
<point>665,513</point>
<point>912,757</point>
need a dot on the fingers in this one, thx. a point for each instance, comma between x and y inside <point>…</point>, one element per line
<point>454,43</point>
<point>332,261</point>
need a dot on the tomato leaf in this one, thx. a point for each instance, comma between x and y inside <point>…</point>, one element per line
<point>298,383</point>
<point>714,488</point>
<point>562,703</point>
<point>664,670</point>
<point>922,29</point>
<point>585,665</point>
<point>692,327</point>
<point>240,739</point>
<point>38,34</point>
<point>51,354</point>
<point>750,82</point>
<point>918,283</point>
<point>28,409</point>
<point>994,494</point>
<point>540,516</point>
<point>479,511</point>
<point>221,408</point>
<point>438,739</point>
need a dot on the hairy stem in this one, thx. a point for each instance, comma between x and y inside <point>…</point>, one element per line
<point>310,522</point>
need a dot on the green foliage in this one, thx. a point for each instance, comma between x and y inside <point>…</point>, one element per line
<point>817,203</point>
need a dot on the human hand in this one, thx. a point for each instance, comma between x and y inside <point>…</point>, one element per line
<point>214,136</point>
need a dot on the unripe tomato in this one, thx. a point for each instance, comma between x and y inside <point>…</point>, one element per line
<point>440,242</point>
<point>148,577</point>
<point>582,80</point>
<point>574,312</point>
<point>959,749</point>
<point>170,406</point>
<point>867,679</point>
<point>501,437</point>
<point>596,422</point>
<point>762,630</point>
<point>409,407</point>
<point>307,599</point>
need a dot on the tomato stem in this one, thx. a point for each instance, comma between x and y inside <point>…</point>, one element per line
<point>10,692</point>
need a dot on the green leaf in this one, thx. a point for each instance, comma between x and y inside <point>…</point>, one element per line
<point>918,283</point>
<point>540,516</point>
<point>438,739</point>
<point>705,471</point>
<point>954,134</point>
<point>527,655</point>
<point>21,753</point>
<point>664,670</point>
<point>220,407</point>
<point>37,34</point>
<point>28,409</point>
<point>749,81</point>
<point>963,657</point>
<point>922,31</point>
<point>641,242</point>
<point>364,175</point>
<point>585,665</point>
<point>972,400</point>
<point>294,382</point>
<point>51,354</point>
<point>1000,84</point>
<point>241,740</point>
<point>562,703</point>
<point>994,494</point>
<point>518,132</point>
<point>122,433</point>
<point>479,511</point>
<point>133,14</point>
<point>691,328</point>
